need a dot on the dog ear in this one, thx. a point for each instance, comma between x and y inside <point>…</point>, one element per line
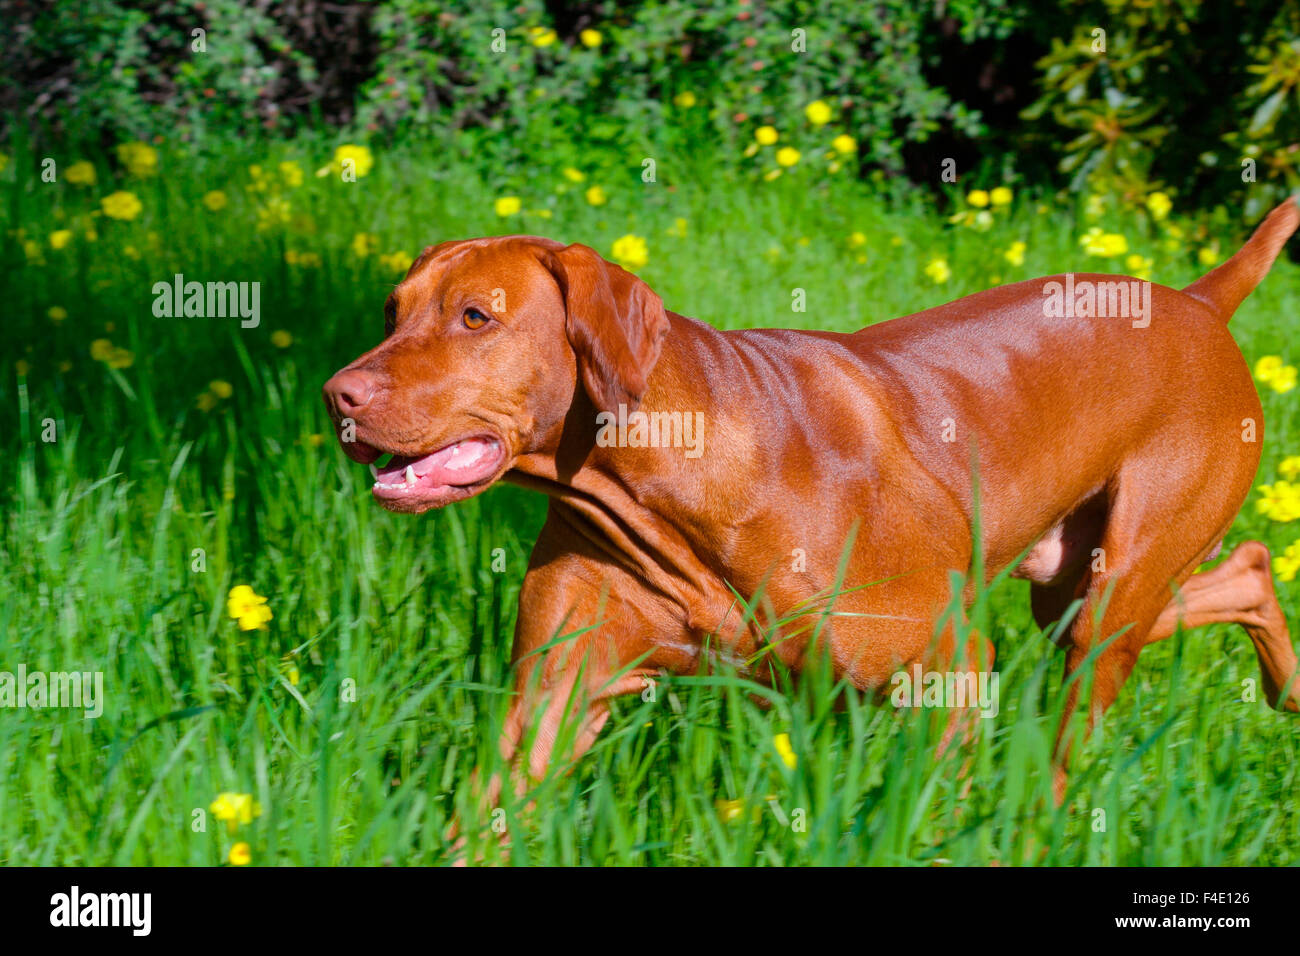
<point>615,323</point>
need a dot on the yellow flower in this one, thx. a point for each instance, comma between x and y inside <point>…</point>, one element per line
<point>359,158</point>
<point>574,175</point>
<point>685,99</point>
<point>507,205</point>
<point>315,440</point>
<point>1267,367</point>
<point>240,855</point>
<point>1096,242</point>
<point>766,135</point>
<point>1289,467</point>
<point>845,144</point>
<point>276,212</point>
<point>857,239</point>
<point>818,113</point>
<point>1158,204</point>
<point>1139,266</point>
<point>596,196</point>
<point>677,229</point>
<point>80,174</point>
<point>1287,564</point>
<point>630,252</point>
<point>215,200</point>
<point>308,260</point>
<point>1284,380</point>
<point>221,389</point>
<point>60,238</point>
<point>788,756</point>
<point>291,173</point>
<point>1279,501</point>
<point>541,36</point>
<point>100,349</point>
<point>121,205</point>
<point>120,358</point>
<point>140,159</point>
<point>364,243</point>
<point>1015,254</point>
<point>398,261</point>
<point>57,313</point>
<point>1207,255</point>
<point>1000,196</point>
<point>938,271</point>
<point>33,251</point>
<point>978,198</point>
<point>787,155</point>
<point>729,810</point>
<point>206,402</point>
<point>281,339</point>
<point>247,606</point>
<point>590,38</point>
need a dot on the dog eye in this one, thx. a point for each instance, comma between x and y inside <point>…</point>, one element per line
<point>474,319</point>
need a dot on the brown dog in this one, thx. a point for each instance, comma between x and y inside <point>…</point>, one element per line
<point>1114,449</point>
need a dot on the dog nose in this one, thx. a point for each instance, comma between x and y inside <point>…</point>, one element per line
<point>348,392</point>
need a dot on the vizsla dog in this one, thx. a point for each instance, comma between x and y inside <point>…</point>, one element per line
<point>1113,452</point>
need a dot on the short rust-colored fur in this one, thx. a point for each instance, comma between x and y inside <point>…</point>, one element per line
<point>1090,434</point>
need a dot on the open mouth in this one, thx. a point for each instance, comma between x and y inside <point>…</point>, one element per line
<point>449,474</point>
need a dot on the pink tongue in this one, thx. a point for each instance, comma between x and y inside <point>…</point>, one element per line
<point>463,463</point>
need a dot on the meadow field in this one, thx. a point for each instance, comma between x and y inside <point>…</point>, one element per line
<point>152,465</point>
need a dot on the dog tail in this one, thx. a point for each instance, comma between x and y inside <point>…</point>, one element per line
<point>1226,287</point>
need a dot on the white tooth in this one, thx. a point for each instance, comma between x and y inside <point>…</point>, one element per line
<point>374,472</point>
<point>410,475</point>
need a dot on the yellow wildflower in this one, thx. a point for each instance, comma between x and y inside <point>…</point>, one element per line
<point>630,252</point>
<point>398,261</point>
<point>140,159</point>
<point>364,243</point>
<point>57,313</point>
<point>818,113</point>
<point>596,196</point>
<point>844,144</point>
<point>291,173</point>
<point>240,855</point>
<point>541,36</point>
<point>215,200</point>
<point>787,155</point>
<point>938,271</point>
<point>1158,204</point>
<point>685,99</point>
<point>80,173</point>
<point>766,135</point>
<point>788,756</point>
<point>281,339</point>
<point>507,205</point>
<point>1000,196</point>
<point>590,38</point>
<point>1287,564</point>
<point>574,175</point>
<point>60,238</point>
<point>121,205</point>
<point>247,607</point>
<point>977,198</point>
<point>357,158</point>
<point>1015,254</point>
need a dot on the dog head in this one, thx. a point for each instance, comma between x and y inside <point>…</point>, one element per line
<point>488,344</point>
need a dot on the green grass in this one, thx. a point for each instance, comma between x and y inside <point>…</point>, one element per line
<point>100,529</point>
